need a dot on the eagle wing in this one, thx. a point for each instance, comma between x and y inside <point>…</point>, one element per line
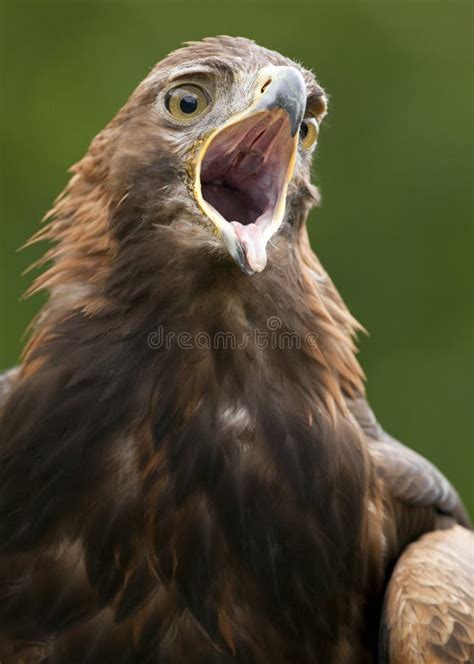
<point>428,608</point>
<point>409,477</point>
<point>427,614</point>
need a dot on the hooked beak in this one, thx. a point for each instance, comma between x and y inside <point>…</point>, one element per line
<point>243,168</point>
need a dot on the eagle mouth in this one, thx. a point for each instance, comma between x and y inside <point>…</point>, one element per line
<point>241,182</point>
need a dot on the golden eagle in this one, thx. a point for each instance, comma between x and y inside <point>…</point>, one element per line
<point>189,470</point>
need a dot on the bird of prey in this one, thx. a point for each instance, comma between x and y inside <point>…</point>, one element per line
<point>190,472</point>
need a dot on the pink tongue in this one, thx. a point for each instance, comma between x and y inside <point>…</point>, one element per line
<point>253,245</point>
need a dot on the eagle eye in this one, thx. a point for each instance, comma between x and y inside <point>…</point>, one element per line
<point>309,130</point>
<point>186,101</point>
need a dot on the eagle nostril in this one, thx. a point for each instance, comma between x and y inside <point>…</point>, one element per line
<point>265,85</point>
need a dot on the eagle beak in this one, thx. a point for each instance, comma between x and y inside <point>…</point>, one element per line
<point>243,168</point>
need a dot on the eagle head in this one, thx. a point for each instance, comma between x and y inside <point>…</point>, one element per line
<point>219,138</point>
<point>200,180</point>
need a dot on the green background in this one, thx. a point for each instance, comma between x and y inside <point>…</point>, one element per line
<point>394,165</point>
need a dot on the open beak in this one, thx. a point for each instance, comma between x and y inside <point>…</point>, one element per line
<point>243,168</point>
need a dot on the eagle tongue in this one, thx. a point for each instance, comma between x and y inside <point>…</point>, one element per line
<point>253,245</point>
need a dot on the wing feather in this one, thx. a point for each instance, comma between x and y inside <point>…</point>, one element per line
<point>408,476</point>
<point>428,610</point>
<point>427,616</point>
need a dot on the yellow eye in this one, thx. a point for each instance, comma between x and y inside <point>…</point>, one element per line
<point>309,130</point>
<point>186,101</point>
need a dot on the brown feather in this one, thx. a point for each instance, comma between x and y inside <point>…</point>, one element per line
<point>210,504</point>
<point>430,599</point>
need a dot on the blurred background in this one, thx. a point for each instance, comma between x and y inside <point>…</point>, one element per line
<point>394,164</point>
